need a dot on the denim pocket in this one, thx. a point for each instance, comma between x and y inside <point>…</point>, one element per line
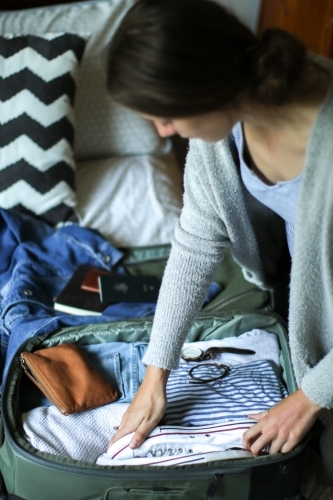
<point>108,365</point>
<point>120,363</point>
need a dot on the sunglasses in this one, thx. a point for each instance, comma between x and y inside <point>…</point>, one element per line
<point>192,353</point>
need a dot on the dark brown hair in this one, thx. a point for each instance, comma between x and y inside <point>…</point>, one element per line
<point>178,58</point>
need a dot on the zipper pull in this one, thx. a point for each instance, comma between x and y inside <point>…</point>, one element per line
<point>212,488</point>
<point>26,368</point>
<point>23,363</point>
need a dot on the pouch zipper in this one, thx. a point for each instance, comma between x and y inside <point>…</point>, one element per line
<point>30,373</point>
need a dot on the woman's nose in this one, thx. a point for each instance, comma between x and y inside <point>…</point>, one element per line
<point>165,130</point>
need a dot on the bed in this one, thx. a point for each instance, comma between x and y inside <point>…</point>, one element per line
<point>102,166</point>
<point>84,181</point>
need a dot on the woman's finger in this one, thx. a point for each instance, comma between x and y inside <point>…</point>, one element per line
<point>126,427</point>
<point>258,416</point>
<point>277,445</point>
<point>250,436</point>
<point>141,433</point>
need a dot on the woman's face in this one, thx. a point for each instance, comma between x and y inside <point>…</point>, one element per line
<point>210,127</point>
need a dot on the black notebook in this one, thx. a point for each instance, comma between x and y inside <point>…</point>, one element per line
<point>124,288</point>
<point>75,300</point>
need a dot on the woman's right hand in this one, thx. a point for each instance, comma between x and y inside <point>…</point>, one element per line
<point>147,408</point>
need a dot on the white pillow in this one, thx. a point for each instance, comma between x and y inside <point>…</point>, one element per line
<point>132,201</point>
<point>103,128</point>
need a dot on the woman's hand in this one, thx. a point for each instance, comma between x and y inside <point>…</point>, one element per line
<point>147,408</point>
<point>284,426</point>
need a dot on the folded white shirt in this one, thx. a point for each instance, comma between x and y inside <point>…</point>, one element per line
<point>177,445</point>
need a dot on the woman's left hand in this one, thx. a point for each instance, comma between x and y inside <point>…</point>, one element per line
<point>283,427</point>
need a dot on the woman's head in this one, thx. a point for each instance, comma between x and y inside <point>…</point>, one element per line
<point>181,58</point>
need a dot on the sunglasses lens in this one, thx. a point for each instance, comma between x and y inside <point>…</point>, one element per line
<point>208,372</point>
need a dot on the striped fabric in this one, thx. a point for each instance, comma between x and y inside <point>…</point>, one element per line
<point>248,388</point>
<point>37,90</point>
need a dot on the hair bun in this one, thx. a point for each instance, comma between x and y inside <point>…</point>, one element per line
<point>278,61</point>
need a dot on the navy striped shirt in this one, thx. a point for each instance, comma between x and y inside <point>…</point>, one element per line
<point>247,388</point>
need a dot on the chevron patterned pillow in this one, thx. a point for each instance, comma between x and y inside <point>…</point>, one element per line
<point>37,89</point>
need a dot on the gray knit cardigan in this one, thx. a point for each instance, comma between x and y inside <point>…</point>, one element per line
<point>219,212</point>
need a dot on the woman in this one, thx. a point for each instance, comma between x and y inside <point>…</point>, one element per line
<point>259,116</point>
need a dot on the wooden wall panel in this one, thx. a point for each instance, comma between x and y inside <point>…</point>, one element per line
<point>310,20</point>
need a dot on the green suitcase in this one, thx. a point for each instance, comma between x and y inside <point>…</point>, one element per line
<point>33,475</point>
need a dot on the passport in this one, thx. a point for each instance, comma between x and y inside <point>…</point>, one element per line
<point>124,288</point>
<point>90,282</point>
<point>75,300</point>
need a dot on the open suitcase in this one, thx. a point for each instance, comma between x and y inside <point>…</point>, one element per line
<point>33,475</point>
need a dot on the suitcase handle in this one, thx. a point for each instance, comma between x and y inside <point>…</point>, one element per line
<point>220,486</point>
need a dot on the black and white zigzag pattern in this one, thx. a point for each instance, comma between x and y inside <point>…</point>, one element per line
<point>37,91</point>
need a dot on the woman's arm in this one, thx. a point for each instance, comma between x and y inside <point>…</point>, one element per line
<point>197,249</point>
<point>198,245</point>
<point>147,408</point>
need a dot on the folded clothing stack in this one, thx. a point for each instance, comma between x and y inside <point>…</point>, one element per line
<point>251,385</point>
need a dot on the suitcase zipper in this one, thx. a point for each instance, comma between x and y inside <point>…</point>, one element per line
<point>215,307</point>
<point>135,474</point>
<point>121,473</point>
<point>212,488</point>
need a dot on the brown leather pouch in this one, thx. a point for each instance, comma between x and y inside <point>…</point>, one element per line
<point>67,378</point>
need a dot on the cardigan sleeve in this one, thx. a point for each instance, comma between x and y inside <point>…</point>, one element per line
<point>197,249</point>
<point>311,290</point>
<point>318,311</point>
<point>317,382</point>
